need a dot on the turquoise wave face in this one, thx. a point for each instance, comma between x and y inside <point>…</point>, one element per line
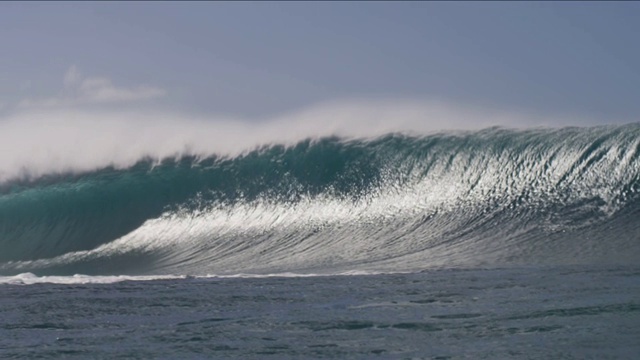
<point>392,203</point>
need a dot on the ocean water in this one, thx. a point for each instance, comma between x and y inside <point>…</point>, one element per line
<point>487,244</point>
<point>527,313</point>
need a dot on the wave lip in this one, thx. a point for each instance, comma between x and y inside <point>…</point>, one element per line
<point>330,205</point>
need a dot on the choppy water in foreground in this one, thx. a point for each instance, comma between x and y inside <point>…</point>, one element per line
<point>526,313</point>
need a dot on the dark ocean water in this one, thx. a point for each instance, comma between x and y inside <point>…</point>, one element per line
<point>515,313</point>
<point>489,244</point>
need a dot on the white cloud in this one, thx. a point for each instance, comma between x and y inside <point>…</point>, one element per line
<point>72,77</point>
<point>81,90</point>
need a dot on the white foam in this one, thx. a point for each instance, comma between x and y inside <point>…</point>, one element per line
<point>326,232</point>
<point>30,279</point>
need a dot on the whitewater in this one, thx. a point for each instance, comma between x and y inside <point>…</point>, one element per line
<point>391,203</point>
<point>290,239</point>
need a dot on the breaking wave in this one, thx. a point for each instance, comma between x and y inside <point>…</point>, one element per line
<point>332,205</point>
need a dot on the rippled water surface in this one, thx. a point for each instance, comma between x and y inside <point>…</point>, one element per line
<point>542,313</point>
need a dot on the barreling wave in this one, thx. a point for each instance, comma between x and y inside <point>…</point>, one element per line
<point>393,203</point>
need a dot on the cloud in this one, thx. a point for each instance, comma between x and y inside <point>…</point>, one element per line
<point>81,90</point>
<point>72,76</point>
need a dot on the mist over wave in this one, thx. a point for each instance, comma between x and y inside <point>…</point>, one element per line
<point>37,143</point>
<point>333,204</point>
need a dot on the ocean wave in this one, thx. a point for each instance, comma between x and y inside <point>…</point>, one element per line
<point>390,203</point>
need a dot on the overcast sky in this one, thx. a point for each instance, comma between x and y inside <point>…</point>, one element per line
<point>255,59</point>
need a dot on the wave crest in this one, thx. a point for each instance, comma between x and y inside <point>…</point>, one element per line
<point>394,202</point>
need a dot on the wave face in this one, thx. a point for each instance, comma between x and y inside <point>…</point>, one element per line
<point>394,203</point>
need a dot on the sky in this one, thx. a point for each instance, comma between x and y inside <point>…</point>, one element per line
<point>256,60</point>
